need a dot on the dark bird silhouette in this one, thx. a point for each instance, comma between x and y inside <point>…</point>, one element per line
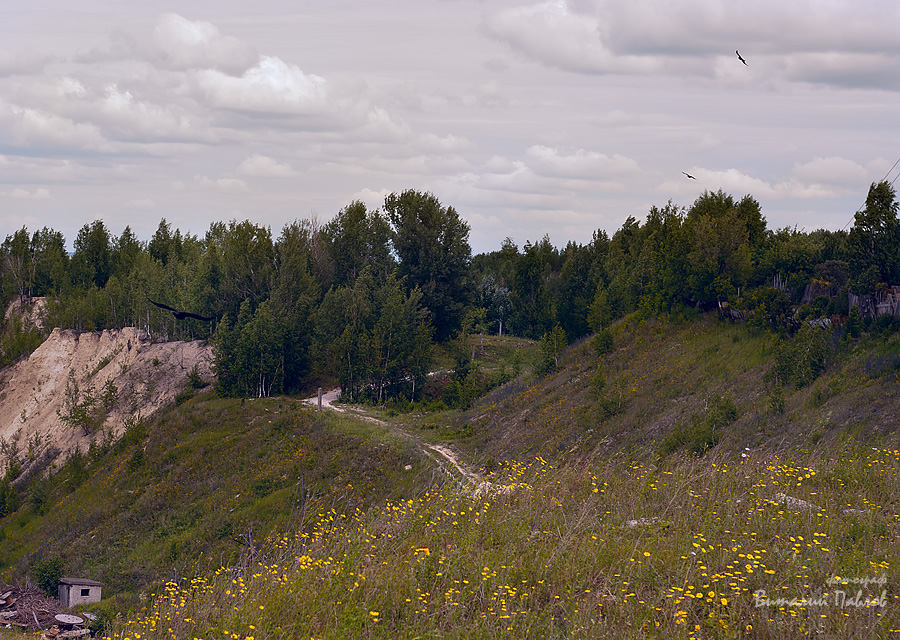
<point>179,315</point>
<point>740,58</point>
<point>689,175</point>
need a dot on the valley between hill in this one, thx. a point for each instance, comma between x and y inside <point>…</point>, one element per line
<point>651,491</point>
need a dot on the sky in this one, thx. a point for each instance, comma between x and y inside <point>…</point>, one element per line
<point>529,118</point>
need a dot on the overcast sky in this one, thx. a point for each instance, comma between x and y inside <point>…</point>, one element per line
<point>529,118</point>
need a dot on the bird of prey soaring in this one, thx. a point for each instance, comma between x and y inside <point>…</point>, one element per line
<point>689,175</point>
<point>740,58</point>
<point>179,315</point>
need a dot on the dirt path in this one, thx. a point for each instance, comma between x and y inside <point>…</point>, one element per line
<point>328,399</point>
<point>446,458</point>
<point>452,457</point>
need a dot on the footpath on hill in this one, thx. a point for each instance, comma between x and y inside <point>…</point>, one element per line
<point>448,460</point>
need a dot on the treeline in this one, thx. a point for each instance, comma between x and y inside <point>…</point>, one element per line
<point>717,251</point>
<point>362,298</point>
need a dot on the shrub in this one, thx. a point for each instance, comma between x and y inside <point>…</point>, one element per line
<point>46,574</point>
<point>603,342</point>
<point>854,323</point>
<point>194,379</point>
<point>801,359</point>
<point>552,346</point>
<point>704,429</point>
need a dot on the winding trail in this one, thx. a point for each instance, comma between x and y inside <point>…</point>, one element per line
<point>446,458</point>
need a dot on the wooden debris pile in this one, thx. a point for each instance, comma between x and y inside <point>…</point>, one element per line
<point>28,608</point>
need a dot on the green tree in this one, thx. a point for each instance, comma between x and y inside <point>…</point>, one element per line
<point>532,312</point>
<point>432,244</point>
<point>249,356</point>
<point>804,357</point>
<point>16,265</point>
<point>86,409</point>
<point>494,299</point>
<point>662,265</point>
<point>375,337</point>
<point>238,265</point>
<point>553,344</point>
<point>355,238</point>
<point>92,259</point>
<point>46,574</point>
<point>50,262</point>
<point>719,258</point>
<point>125,253</point>
<point>164,245</point>
<point>295,295</point>
<point>577,287</point>
<point>8,500</point>
<point>874,241</point>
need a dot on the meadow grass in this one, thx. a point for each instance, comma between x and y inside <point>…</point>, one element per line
<point>691,548</point>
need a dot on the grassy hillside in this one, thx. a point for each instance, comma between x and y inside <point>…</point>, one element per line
<point>173,496</point>
<point>611,549</point>
<point>659,388</point>
<point>652,491</point>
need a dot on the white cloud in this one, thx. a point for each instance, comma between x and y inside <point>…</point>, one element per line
<point>224,184</point>
<point>557,36</point>
<point>184,44</point>
<point>384,127</point>
<point>35,128</point>
<point>578,163</point>
<point>40,193</point>
<point>144,204</point>
<point>831,170</point>
<point>843,68</point>
<point>14,221</point>
<point>259,165</point>
<point>271,86</point>
<point>443,144</point>
<point>618,118</point>
<point>739,183</point>
<point>71,87</point>
<point>373,199</point>
<point>126,117</point>
<point>839,43</point>
<point>23,62</point>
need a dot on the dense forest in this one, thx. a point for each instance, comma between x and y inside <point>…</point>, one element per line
<point>362,298</point>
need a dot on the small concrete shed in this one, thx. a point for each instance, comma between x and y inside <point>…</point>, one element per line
<point>76,591</point>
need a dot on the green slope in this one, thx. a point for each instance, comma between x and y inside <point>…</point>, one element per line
<point>349,542</point>
<point>662,378</point>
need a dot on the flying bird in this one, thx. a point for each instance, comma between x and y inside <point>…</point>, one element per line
<point>740,58</point>
<point>689,175</point>
<point>179,315</point>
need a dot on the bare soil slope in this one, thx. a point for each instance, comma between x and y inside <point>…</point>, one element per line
<point>146,375</point>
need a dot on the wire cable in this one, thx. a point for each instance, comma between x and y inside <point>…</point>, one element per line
<point>882,180</point>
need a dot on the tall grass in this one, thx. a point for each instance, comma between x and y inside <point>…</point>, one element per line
<point>694,548</point>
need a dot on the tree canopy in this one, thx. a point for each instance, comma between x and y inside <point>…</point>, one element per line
<point>362,298</point>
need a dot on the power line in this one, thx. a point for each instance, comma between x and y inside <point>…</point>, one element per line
<point>882,180</point>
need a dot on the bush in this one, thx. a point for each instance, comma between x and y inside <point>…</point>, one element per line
<point>803,358</point>
<point>46,574</point>
<point>18,340</point>
<point>194,379</point>
<point>552,346</point>
<point>603,342</point>
<point>854,323</point>
<point>887,324</point>
<point>704,429</point>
